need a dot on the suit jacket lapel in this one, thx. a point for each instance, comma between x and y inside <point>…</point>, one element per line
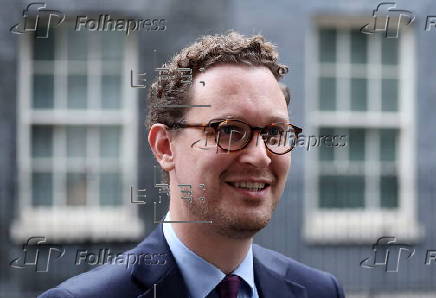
<point>271,285</point>
<point>170,286</point>
<point>169,281</point>
<point>167,277</point>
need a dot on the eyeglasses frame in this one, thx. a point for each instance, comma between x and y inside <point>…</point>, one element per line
<point>214,124</point>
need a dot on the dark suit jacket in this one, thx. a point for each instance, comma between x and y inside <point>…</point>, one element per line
<point>275,276</point>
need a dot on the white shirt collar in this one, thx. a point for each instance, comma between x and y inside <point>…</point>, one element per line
<point>200,276</point>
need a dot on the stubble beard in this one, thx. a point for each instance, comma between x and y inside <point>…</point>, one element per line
<point>228,223</point>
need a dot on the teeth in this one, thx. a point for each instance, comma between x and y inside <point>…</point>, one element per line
<point>252,186</point>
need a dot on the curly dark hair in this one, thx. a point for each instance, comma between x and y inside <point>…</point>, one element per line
<point>209,50</point>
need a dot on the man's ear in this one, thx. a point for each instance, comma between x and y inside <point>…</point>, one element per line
<point>159,139</point>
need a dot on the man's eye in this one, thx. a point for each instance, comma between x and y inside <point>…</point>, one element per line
<point>274,131</point>
<point>227,129</point>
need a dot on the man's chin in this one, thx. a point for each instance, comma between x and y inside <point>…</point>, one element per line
<point>237,223</point>
<point>241,228</point>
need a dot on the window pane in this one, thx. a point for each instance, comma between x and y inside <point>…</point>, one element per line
<point>110,189</point>
<point>390,51</point>
<point>341,191</point>
<point>358,49</point>
<point>388,144</point>
<point>77,91</point>
<point>327,94</point>
<point>327,45</point>
<point>110,92</point>
<point>358,94</point>
<point>389,192</point>
<point>42,189</point>
<point>42,141</point>
<point>326,152</point>
<point>42,91</point>
<point>357,144</point>
<point>76,189</point>
<point>76,141</point>
<point>43,48</point>
<point>389,95</point>
<point>110,137</point>
<point>77,45</point>
<point>112,46</point>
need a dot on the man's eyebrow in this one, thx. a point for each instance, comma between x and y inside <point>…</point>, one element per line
<point>279,119</point>
<point>273,119</point>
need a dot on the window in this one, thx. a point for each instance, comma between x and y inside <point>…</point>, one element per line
<point>364,91</point>
<point>77,136</point>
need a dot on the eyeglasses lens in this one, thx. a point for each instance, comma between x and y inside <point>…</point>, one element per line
<point>233,135</point>
<point>279,137</point>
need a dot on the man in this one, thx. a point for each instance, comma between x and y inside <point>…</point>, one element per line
<point>235,156</point>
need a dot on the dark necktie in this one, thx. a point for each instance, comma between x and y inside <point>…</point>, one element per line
<point>229,286</point>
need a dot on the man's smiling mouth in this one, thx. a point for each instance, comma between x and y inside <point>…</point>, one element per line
<point>250,186</point>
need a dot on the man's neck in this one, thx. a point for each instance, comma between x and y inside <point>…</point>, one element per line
<point>223,252</point>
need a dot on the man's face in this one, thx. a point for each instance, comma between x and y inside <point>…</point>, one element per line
<point>249,94</point>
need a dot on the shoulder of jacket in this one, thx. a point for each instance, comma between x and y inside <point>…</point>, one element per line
<point>113,279</point>
<point>292,269</point>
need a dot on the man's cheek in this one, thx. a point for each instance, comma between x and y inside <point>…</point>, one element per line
<point>282,165</point>
<point>282,177</point>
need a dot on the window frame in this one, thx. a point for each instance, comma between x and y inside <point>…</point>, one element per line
<point>361,226</point>
<point>76,223</point>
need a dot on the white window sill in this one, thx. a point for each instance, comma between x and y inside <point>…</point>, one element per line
<point>360,227</point>
<point>77,225</point>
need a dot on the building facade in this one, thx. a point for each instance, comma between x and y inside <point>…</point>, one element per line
<point>78,180</point>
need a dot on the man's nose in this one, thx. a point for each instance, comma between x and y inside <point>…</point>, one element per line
<point>256,152</point>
